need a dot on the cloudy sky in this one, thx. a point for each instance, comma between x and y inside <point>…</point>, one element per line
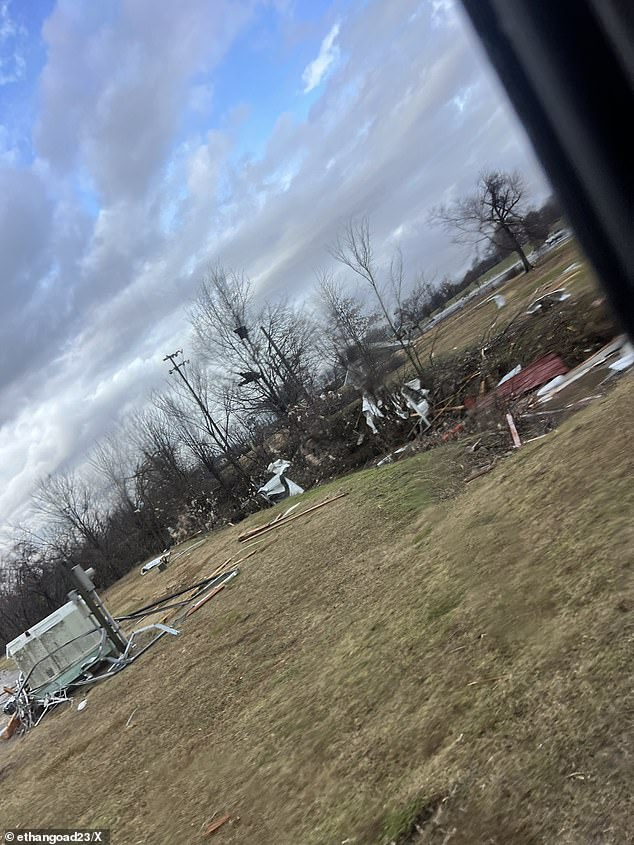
<point>142,139</point>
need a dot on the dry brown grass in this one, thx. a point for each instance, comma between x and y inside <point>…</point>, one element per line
<point>466,327</point>
<point>421,652</point>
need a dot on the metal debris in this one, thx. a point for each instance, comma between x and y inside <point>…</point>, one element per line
<point>416,397</point>
<point>279,487</point>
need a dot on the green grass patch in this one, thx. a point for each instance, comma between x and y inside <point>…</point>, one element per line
<point>442,605</point>
<point>401,825</point>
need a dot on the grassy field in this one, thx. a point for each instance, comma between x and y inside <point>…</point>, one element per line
<point>466,327</point>
<point>423,661</point>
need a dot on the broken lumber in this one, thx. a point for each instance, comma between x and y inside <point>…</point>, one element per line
<point>264,529</point>
<point>218,569</point>
<point>205,599</point>
<point>222,570</point>
<point>511,424</point>
<point>11,727</point>
<point>214,826</point>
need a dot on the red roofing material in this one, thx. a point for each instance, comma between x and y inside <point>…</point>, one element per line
<point>532,376</point>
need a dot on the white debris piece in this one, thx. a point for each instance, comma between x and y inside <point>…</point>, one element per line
<point>160,562</point>
<point>279,487</point>
<point>626,360</point>
<point>510,374</point>
<point>559,295</point>
<point>416,397</point>
<point>370,410</point>
<point>398,407</point>
<point>599,358</point>
<point>500,301</point>
<point>550,386</point>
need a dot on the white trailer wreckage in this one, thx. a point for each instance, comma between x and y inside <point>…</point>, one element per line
<point>81,644</point>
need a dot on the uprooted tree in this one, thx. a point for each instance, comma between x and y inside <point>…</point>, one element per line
<point>495,213</point>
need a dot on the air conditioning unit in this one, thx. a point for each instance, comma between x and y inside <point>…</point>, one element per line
<point>57,650</point>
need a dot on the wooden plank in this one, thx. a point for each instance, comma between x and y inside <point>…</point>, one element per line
<point>215,825</point>
<point>281,523</point>
<point>205,599</point>
<point>516,438</point>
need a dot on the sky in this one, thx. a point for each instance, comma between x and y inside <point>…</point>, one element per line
<point>143,140</point>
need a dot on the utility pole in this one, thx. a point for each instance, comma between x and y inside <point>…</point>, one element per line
<point>211,425</point>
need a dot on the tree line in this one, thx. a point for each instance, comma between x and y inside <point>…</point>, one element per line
<point>262,379</point>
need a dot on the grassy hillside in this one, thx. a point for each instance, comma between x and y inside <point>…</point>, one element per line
<point>423,661</point>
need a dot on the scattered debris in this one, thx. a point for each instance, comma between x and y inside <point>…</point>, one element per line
<point>129,722</point>
<point>186,552</point>
<point>82,704</point>
<point>11,727</point>
<point>212,593</point>
<point>626,360</point>
<point>452,432</point>
<point>488,680</point>
<point>555,386</point>
<point>389,459</point>
<point>279,487</point>
<point>530,377</point>
<point>547,300</point>
<point>511,424</point>
<point>370,410</point>
<point>550,386</point>
<point>477,473</point>
<point>416,397</point>
<point>277,523</point>
<point>539,437</point>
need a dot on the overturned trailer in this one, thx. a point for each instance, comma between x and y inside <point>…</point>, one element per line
<point>56,651</point>
<point>77,645</point>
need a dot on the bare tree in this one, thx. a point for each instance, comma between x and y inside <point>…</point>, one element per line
<point>267,347</point>
<point>345,338</point>
<point>419,303</point>
<point>354,250</point>
<point>67,499</point>
<point>496,213</point>
<point>113,460</point>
